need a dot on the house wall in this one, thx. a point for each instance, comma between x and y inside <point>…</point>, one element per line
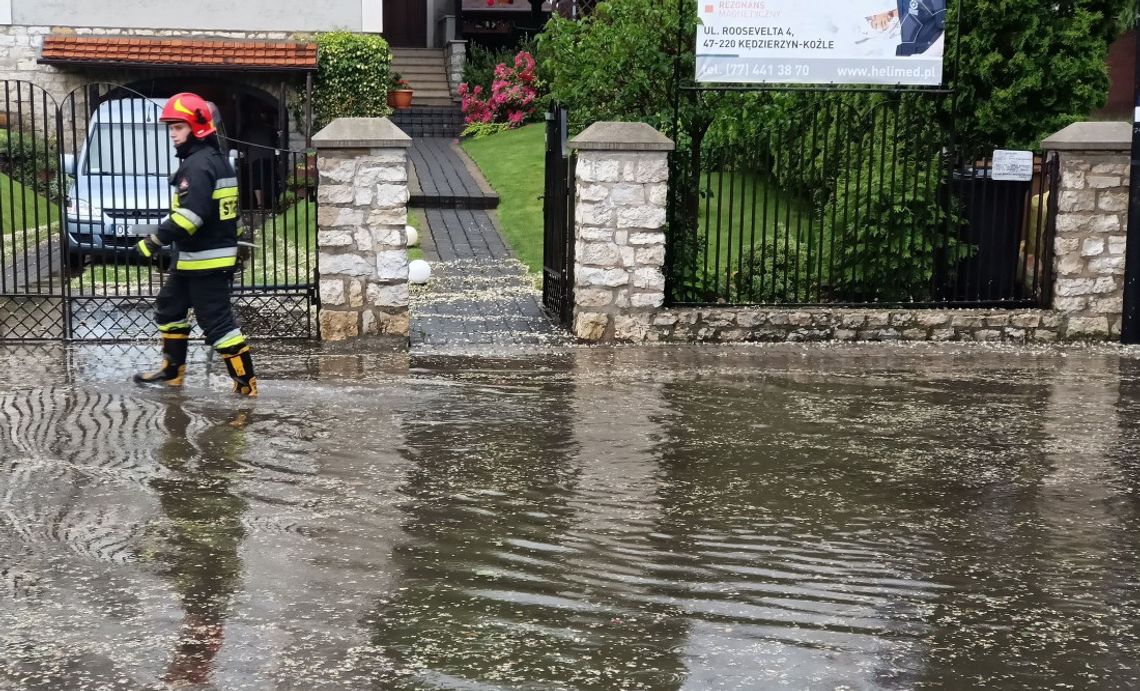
<point>219,15</point>
<point>20,49</point>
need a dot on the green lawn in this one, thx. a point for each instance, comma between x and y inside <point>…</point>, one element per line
<point>286,248</point>
<point>117,279</point>
<point>512,162</point>
<point>745,210</point>
<point>414,221</point>
<point>21,207</point>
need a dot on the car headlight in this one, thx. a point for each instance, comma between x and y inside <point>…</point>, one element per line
<point>84,210</point>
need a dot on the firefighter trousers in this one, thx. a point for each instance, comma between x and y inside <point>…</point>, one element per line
<point>208,295</point>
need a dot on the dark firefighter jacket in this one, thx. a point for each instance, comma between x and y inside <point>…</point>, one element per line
<point>203,220</point>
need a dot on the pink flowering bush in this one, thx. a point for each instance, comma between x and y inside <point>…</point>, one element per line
<point>511,102</point>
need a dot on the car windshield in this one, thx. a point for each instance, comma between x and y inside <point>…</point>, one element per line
<point>129,149</point>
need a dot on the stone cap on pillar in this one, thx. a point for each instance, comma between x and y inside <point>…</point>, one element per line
<point>621,136</point>
<point>1091,136</point>
<point>361,133</point>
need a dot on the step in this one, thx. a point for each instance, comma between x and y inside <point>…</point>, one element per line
<point>433,100</point>
<point>424,120</point>
<point>401,65</point>
<point>423,75</point>
<point>426,84</point>
<point>483,202</point>
<point>422,69</point>
<point>437,92</point>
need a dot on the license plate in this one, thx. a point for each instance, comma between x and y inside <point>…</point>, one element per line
<point>124,230</point>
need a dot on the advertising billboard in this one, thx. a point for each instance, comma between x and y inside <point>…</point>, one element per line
<point>824,42</point>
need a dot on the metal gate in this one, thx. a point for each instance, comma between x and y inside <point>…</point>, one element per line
<point>32,245</point>
<point>86,178</point>
<point>558,220</point>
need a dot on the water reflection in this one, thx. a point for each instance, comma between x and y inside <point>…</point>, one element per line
<point>596,519</point>
<point>196,546</point>
<point>484,508</point>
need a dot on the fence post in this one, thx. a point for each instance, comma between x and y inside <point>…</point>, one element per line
<point>1089,248</point>
<point>1130,328</point>
<point>363,197</point>
<point>621,183</point>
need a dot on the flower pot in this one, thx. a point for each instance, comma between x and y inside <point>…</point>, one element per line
<point>401,98</point>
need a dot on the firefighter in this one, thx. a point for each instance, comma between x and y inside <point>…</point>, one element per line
<point>203,229</point>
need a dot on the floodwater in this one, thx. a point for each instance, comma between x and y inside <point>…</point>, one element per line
<point>874,517</point>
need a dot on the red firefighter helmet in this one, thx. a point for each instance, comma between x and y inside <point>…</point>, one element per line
<point>191,109</point>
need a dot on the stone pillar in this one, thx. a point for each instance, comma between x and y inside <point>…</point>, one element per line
<point>1092,223</point>
<point>456,53</point>
<point>621,185</point>
<point>362,244</point>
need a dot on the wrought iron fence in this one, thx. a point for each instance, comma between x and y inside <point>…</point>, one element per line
<point>847,199</point>
<point>558,219</point>
<point>32,253</point>
<point>82,180</point>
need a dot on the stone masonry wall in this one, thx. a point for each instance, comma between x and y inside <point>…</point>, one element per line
<point>757,324</point>
<point>619,215</point>
<point>363,197</point>
<point>456,60</point>
<point>621,182</point>
<point>1092,224</point>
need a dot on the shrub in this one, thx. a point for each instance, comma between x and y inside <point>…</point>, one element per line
<point>512,98</point>
<point>776,272</point>
<point>30,160</point>
<point>1029,68</point>
<point>353,76</point>
<point>479,68</point>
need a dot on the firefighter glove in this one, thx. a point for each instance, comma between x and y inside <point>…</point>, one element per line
<point>148,246</point>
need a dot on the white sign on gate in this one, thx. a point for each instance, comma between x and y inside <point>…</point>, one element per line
<point>820,42</point>
<point>1016,166</point>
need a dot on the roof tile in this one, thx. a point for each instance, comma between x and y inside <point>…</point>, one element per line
<point>187,52</point>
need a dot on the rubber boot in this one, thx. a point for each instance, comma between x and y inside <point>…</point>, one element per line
<point>239,363</point>
<point>173,369</point>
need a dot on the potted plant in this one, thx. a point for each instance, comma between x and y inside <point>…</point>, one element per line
<point>399,92</point>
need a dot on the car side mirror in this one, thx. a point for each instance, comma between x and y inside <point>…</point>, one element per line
<point>69,164</point>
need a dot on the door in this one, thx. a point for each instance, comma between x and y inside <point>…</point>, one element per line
<point>405,23</point>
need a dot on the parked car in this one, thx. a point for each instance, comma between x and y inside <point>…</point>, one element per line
<point>119,182</point>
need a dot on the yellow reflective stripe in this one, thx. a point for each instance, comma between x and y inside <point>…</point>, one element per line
<point>202,264</point>
<point>174,202</point>
<point>184,223</point>
<point>193,217</point>
<point>143,249</point>
<point>225,193</point>
<point>174,325</point>
<point>176,336</point>
<point>208,254</point>
<point>231,342</point>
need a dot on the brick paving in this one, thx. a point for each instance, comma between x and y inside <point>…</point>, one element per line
<point>479,293</point>
<point>445,177</point>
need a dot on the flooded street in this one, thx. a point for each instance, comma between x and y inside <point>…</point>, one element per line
<point>859,517</point>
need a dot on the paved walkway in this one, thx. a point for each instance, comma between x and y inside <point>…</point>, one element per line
<point>443,176</point>
<point>479,293</point>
